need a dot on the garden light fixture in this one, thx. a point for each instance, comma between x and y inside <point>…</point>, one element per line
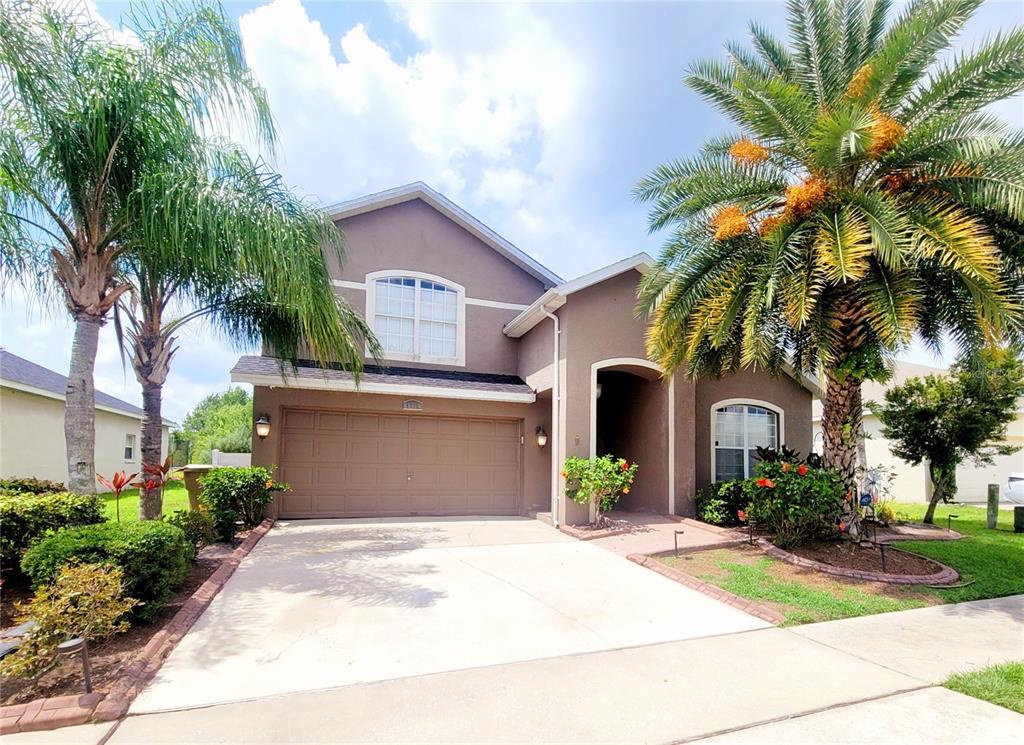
<point>75,646</point>
<point>542,437</point>
<point>263,426</point>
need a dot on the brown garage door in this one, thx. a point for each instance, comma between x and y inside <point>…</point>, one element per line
<point>358,464</point>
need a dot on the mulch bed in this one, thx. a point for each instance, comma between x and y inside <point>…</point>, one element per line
<point>867,558</point>
<point>110,656</point>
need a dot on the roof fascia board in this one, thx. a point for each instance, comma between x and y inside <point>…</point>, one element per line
<point>442,204</point>
<point>393,389</point>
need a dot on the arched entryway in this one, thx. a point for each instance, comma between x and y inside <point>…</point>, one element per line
<point>632,416</point>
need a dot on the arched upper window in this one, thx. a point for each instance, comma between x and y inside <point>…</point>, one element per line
<point>738,428</point>
<point>417,317</point>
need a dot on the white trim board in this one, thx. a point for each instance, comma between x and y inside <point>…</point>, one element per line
<point>16,386</point>
<point>350,285</point>
<point>670,413</point>
<point>390,389</point>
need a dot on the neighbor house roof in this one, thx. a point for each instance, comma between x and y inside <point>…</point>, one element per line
<point>419,190</point>
<point>21,374</point>
<point>400,381</point>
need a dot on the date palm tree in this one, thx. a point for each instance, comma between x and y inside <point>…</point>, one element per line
<point>93,133</point>
<point>225,241</point>
<point>865,196</point>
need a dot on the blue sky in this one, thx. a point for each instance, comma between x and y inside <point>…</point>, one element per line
<point>538,119</point>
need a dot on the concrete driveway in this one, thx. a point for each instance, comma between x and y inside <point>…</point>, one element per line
<point>322,604</point>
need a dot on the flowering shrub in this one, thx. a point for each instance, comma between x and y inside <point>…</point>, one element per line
<point>721,503</point>
<point>598,481</point>
<point>794,501</point>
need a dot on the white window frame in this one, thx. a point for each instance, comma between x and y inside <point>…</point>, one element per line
<point>781,435</point>
<point>459,360</point>
<point>133,438</point>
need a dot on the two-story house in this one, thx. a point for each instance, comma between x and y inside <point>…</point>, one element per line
<point>497,370</point>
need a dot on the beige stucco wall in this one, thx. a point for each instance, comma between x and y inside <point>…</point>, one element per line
<point>536,462</point>
<point>911,483</point>
<point>32,438</point>
<point>781,391</point>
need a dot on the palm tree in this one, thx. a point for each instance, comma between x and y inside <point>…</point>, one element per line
<point>225,241</point>
<point>93,135</point>
<point>866,196</point>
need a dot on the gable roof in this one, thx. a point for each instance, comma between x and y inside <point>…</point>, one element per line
<point>22,374</point>
<point>555,297</point>
<point>419,190</point>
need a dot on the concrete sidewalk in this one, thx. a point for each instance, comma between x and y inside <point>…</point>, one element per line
<point>652,534</point>
<point>930,644</point>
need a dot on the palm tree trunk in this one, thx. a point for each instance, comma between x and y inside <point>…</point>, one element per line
<point>842,426</point>
<point>151,502</point>
<point>80,406</point>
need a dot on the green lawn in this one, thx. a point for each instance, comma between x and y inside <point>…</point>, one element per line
<point>992,561</point>
<point>175,498</point>
<point>1002,685</point>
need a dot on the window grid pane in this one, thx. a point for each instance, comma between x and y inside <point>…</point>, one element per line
<point>395,322</point>
<point>740,429</point>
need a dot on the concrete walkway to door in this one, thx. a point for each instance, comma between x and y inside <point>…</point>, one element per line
<point>327,603</point>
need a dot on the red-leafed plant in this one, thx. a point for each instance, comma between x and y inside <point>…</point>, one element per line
<point>116,484</point>
<point>151,483</point>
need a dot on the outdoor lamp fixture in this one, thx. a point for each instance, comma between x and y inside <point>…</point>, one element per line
<point>542,437</point>
<point>263,426</point>
<point>78,646</point>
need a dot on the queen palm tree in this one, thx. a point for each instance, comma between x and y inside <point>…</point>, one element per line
<point>224,241</point>
<point>89,131</point>
<point>865,196</point>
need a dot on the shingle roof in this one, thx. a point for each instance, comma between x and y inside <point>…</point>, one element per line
<point>17,369</point>
<point>309,370</point>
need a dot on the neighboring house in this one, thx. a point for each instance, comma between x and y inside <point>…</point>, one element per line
<point>32,425</point>
<point>481,400</point>
<point>911,483</point>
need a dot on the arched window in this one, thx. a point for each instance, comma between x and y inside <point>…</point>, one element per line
<point>738,428</point>
<point>417,317</point>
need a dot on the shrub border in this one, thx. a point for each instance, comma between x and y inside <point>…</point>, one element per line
<point>64,711</point>
<point>945,576</point>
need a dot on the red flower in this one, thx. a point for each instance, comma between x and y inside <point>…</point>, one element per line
<point>785,467</point>
<point>624,466</point>
<point>150,484</point>
<point>802,470</point>
<point>565,475</point>
<point>741,515</point>
<point>768,483</point>
<point>842,528</point>
<point>849,496</point>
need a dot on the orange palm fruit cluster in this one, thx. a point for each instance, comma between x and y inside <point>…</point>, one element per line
<point>769,224</point>
<point>859,82</point>
<point>729,222</point>
<point>804,197</point>
<point>748,152</point>
<point>886,133</point>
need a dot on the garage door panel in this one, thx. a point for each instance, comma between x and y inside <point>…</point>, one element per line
<point>343,464</point>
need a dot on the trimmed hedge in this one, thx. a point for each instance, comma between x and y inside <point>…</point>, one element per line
<point>27,517</point>
<point>31,486</point>
<point>719,504</point>
<point>154,556</point>
<point>237,494</point>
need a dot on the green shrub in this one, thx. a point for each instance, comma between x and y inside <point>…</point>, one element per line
<point>795,501</point>
<point>233,494</point>
<point>599,481</point>
<point>196,524</point>
<point>27,517</point>
<point>85,600</point>
<point>153,555</point>
<point>720,504</point>
<point>31,486</point>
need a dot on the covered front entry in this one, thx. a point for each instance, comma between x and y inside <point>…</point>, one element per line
<point>371,464</point>
<point>632,421</point>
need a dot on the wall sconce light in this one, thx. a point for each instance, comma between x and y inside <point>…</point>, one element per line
<point>263,426</point>
<point>542,437</point>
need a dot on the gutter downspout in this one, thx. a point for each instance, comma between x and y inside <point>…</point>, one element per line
<point>555,401</point>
